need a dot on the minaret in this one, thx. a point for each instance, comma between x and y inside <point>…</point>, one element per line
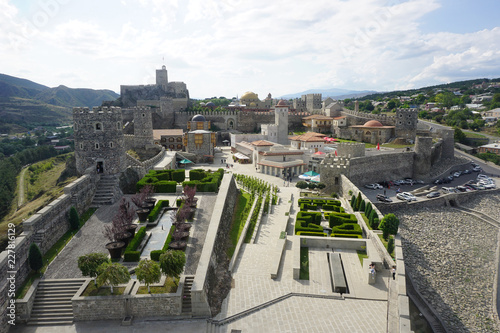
<point>281,121</point>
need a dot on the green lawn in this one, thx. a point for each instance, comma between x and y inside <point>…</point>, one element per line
<point>168,288</point>
<point>474,135</point>
<point>361,256</point>
<point>92,290</point>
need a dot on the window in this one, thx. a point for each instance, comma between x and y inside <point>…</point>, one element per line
<point>400,122</point>
<point>118,125</point>
<point>179,139</point>
<point>171,139</point>
<point>96,146</point>
<point>198,140</point>
<point>81,145</point>
<point>179,146</point>
<point>98,126</point>
<point>143,115</point>
<point>111,145</point>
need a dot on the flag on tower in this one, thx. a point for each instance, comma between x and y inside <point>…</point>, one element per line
<point>335,153</point>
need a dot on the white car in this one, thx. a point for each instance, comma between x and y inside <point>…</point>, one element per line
<point>411,196</point>
<point>371,186</point>
<point>378,186</point>
<point>481,176</point>
<point>457,174</point>
<point>402,196</point>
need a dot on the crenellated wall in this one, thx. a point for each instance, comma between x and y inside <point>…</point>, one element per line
<point>44,227</point>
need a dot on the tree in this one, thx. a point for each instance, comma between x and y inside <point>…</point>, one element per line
<point>301,184</point>
<point>362,206</point>
<point>353,202</point>
<point>390,245</point>
<point>189,193</point>
<point>148,272</point>
<point>459,135</point>
<point>311,186</point>
<point>389,225</point>
<point>321,186</point>
<point>35,258</point>
<point>90,263</point>
<point>74,219</point>
<point>358,202</point>
<point>172,263</point>
<point>112,274</point>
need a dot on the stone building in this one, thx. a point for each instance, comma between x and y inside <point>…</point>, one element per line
<point>318,123</point>
<point>373,132</point>
<point>250,100</point>
<point>171,139</point>
<point>278,132</point>
<point>199,141</point>
<point>99,140</point>
<point>277,160</point>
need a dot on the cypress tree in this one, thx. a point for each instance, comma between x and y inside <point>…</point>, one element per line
<point>358,201</point>
<point>390,245</point>
<point>35,259</point>
<point>362,206</point>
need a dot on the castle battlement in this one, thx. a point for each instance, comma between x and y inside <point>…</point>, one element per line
<point>96,110</point>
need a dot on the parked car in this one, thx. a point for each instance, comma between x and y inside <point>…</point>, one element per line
<point>457,174</point>
<point>476,168</point>
<point>448,190</point>
<point>446,180</point>
<point>438,181</point>
<point>402,196</point>
<point>467,171</point>
<point>383,198</point>
<point>481,176</point>
<point>450,178</point>
<point>462,188</point>
<point>433,195</point>
<point>371,186</point>
<point>411,196</point>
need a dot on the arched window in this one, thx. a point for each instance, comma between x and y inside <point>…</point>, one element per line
<point>81,145</point>
<point>179,139</point>
<point>111,145</point>
<point>171,139</point>
<point>96,146</point>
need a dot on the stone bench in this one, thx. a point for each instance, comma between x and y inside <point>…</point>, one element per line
<point>277,256</point>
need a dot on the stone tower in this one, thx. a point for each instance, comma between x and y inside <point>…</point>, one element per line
<point>422,157</point>
<point>99,141</point>
<point>143,127</point>
<point>162,77</point>
<point>281,121</point>
<point>406,123</point>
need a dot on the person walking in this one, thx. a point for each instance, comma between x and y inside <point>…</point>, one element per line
<point>394,272</point>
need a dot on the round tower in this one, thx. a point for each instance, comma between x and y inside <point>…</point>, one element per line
<point>99,142</point>
<point>422,157</point>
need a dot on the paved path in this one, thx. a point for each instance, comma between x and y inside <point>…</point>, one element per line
<point>21,187</point>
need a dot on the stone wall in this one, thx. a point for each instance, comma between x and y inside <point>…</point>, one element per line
<point>213,264</point>
<point>45,227</point>
<point>381,167</point>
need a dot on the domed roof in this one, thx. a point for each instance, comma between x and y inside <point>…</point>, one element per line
<point>249,95</point>
<point>198,117</point>
<point>373,123</point>
<point>210,104</point>
<point>253,104</point>
<point>282,103</point>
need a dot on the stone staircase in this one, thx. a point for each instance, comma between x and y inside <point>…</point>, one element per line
<point>186,295</point>
<point>107,191</point>
<point>52,304</point>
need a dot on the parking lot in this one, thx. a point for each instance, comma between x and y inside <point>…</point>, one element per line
<point>392,190</point>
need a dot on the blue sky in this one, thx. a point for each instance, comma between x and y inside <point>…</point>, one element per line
<point>228,47</point>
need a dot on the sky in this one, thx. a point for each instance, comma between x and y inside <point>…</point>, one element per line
<point>228,47</point>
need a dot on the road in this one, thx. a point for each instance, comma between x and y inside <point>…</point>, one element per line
<point>434,126</point>
<point>20,191</point>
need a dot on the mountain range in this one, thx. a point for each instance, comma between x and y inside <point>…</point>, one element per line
<point>24,103</point>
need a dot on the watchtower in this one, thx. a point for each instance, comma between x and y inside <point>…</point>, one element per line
<point>406,123</point>
<point>162,77</point>
<point>99,141</point>
<point>281,122</point>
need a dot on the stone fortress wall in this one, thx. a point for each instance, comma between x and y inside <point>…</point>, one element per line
<point>44,228</point>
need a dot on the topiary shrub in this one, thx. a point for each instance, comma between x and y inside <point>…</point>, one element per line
<point>155,254</point>
<point>35,258</point>
<point>165,186</point>
<point>390,245</point>
<point>179,175</point>
<point>358,202</point>
<point>353,202</point>
<point>362,206</point>
<point>157,209</point>
<point>311,233</point>
<point>346,235</point>
<point>131,256</point>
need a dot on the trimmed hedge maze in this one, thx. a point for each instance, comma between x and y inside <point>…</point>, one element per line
<point>309,219</point>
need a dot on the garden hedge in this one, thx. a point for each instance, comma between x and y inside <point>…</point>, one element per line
<point>337,219</point>
<point>136,241</point>
<point>348,229</point>
<point>157,209</point>
<point>155,254</point>
<point>316,216</point>
<point>132,256</point>
<point>311,233</point>
<point>346,235</point>
<point>301,225</point>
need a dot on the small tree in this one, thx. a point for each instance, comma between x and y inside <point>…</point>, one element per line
<point>358,202</point>
<point>311,186</point>
<point>368,208</point>
<point>189,193</point>
<point>172,263</point>
<point>353,202</point>
<point>112,274</point>
<point>390,244</point>
<point>362,206</point>
<point>321,186</point>
<point>35,258</point>
<point>301,184</point>
<point>124,216</point>
<point>90,263</point>
<point>148,272</point>
<point>74,219</point>
<point>389,225</point>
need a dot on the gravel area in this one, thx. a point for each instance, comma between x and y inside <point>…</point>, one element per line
<point>485,204</point>
<point>451,258</point>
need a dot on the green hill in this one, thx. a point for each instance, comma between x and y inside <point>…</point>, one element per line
<point>25,104</point>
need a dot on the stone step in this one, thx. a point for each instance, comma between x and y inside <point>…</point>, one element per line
<point>42,303</point>
<point>38,314</point>
<point>52,317</point>
<point>55,298</point>
<point>53,286</point>
<point>55,322</point>
<point>61,281</point>
<point>44,306</point>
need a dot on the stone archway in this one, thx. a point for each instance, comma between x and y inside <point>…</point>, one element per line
<point>231,123</point>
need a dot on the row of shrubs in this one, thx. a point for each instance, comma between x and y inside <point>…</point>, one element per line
<point>204,180</point>
<point>358,204</point>
<point>323,234</point>
<point>163,181</point>
<point>153,215</point>
<point>130,252</point>
<point>341,223</point>
<point>155,254</point>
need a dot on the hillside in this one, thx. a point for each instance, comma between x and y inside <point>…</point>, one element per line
<point>25,104</point>
<point>333,92</point>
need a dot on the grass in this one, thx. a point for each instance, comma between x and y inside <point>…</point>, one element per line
<point>239,220</point>
<point>473,135</point>
<point>47,189</point>
<point>304,263</point>
<point>92,290</point>
<point>169,287</point>
<point>366,221</point>
<point>253,221</point>
<point>52,253</point>
<point>362,255</point>
<point>392,145</point>
<point>385,244</point>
